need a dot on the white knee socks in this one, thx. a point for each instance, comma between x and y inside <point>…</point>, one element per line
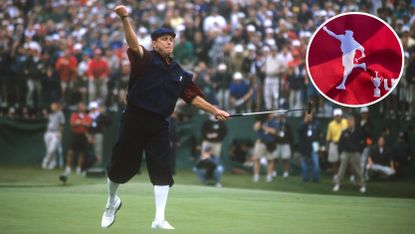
<point>112,191</point>
<point>160,195</point>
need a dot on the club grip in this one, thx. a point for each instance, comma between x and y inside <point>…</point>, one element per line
<point>236,115</point>
<point>309,107</point>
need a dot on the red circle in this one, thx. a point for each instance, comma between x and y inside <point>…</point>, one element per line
<point>383,55</point>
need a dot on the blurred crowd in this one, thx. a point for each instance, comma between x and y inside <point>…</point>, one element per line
<point>348,145</point>
<point>74,51</point>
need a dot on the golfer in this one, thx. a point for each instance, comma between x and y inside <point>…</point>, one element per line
<point>156,82</point>
<point>348,46</point>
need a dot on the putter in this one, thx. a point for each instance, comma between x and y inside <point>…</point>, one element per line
<point>282,111</point>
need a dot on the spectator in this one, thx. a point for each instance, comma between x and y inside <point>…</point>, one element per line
<point>114,64</point>
<point>213,133</point>
<point>144,38</point>
<point>99,122</point>
<point>241,152</point>
<point>183,52</point>
<point>255,86</point>
<point>204,81</point>
<point>351,143</point>
<point>239,94</point>
<point>248,66</point>
<point>310,138</point>
<point>237,58</point>
<point>366,127</point>
<point>334,131</point>
<point>221,81</point>
<point>265,145</point>
<point>53,135</point>
<point>209,167</point>
<point>296,73</point>
<point>380,159</point>
<point>284,143</point>
<point>5,63</point>
<point>274,68</point>
<point>402,154</point>
<point>83,76</point>
<point>410,79</point>
<point>35,66</point>
<point>98,74</point>
<point>214,22</point>
<point>66,66</point>
<point>80,124</point>
<point>19,71</point>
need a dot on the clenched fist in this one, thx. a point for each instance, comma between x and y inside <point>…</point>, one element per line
<point>121,10</point>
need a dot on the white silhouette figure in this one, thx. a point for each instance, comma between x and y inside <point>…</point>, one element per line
<point>348,47</point>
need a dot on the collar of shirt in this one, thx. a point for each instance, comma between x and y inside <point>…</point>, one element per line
<point>167,62</point>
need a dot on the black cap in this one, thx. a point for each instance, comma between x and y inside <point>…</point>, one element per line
<point>162,31</point>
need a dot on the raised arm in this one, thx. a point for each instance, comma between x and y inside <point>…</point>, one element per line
<point>331,33</point>
<point>130,35</point>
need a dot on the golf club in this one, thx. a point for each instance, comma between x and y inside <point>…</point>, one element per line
<point>281,111</point>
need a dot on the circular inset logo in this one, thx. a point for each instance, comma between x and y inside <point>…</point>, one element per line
<point>355,59</point>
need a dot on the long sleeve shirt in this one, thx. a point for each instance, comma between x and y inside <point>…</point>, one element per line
<point>335,129</point>
<point>351,141</point>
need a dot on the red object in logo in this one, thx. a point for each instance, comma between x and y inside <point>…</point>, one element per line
<point>355,59</point>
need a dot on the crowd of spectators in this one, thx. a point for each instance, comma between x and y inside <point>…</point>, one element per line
<point>74,50</point>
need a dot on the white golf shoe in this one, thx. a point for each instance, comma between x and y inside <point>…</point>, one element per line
<point>108,218</point>
<point>362,189</point>
<point>156,224</point>
<point>336,188</point>
<point>255,178</point>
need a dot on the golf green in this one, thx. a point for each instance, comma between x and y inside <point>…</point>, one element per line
<point>36,205</point>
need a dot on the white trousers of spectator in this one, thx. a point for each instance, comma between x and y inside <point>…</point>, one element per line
<point>98,89</point>
<point>34,87</point>
<point>382,169</point>
<point>223,98</point>
<point>363,160</point>
<point>216,147</point>
<point>271,92</point>
<point>52,141</point>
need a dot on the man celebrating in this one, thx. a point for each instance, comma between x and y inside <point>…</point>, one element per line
<point>348,47</point>
<point>156,82</point>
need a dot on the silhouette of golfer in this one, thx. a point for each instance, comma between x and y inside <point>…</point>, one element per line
<point>348,46</point>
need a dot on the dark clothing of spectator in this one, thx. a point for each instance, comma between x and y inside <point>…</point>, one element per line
<point>284,133</point>
<point>351,141</point>
<point>381,156</point>
<point>308,133</point>
<point>218,129</point>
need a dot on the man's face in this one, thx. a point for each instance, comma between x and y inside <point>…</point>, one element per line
<point>351,123</point>
<point>164,45</point>
<point>81,107</point>
<point>381,141</point>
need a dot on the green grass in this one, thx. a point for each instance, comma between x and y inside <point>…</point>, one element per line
<point>33,201</point>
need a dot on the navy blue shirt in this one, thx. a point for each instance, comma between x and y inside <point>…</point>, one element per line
<point>155,85</point>
<point>267,137</point>
<point>351,141</point>
<point>308,133</point>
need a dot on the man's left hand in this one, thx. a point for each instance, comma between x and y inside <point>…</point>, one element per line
<point>221,115</point>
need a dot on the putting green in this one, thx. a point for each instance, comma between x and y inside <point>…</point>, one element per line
<point>197,209</point>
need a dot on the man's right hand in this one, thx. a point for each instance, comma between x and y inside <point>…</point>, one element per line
<point>121,10</point>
